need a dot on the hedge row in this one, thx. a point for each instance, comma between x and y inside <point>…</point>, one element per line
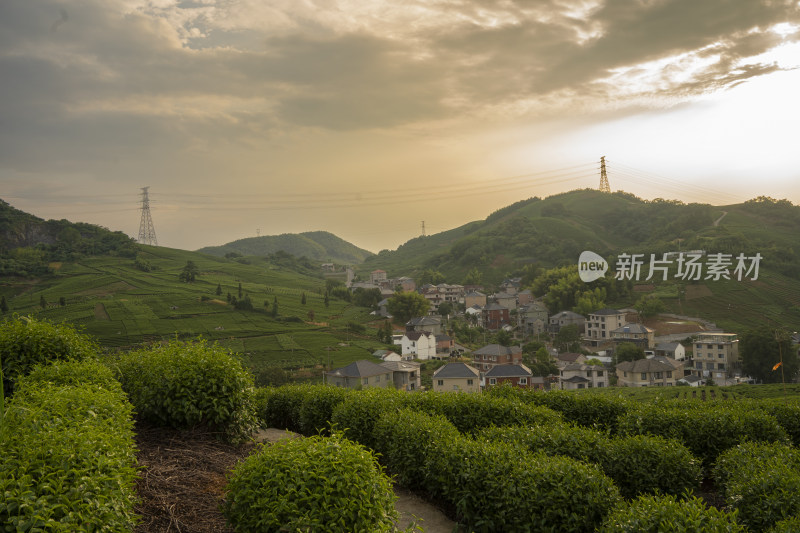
<point>761,481</point>
<point>68,452</point>
<point>638,464</point>
<point>707,430</point>
<point>186,384</point>
<point>492,486</point>
<point>668,514</point>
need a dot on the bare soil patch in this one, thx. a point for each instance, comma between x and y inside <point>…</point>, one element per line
<point>697,291</point>
<point>672,326</point>
<point>100,312</point>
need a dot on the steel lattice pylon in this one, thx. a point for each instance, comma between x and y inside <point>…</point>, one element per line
<point>147,232</point>
<point>604,186</point>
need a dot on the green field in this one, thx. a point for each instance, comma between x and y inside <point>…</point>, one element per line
<point>731,392</point>
<point>124,307</point>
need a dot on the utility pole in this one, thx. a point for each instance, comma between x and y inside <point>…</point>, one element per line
<point>423,228</point>
<point>604,186</point>
<point>147,232</point>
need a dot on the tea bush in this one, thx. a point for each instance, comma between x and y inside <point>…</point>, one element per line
<point>637,464</point>
<point>667,514</point>
<point>318,484</point>
<point>68,459</point>
<point>279,407</point>
<point>357,414</point>
<point>26,342</point>
<point>787,415</point>
<point>641,464</point>
<point>761,481</point>
<point>186,384</point>
<point>404,439</point>
<point>86,372</point>
<point>787,525</point>
<point>553,439</point>
<point>706,430</point>
<point>470,412</point>
<point>317,408</point>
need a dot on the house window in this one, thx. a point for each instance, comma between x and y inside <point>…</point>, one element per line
<point>588,373</point>
<point>469,382</point>
<point>721,366</point>
<point>698,365</point>
<point>492,381</point>
<point>658,375</point>
<point>440,382</point>
<point>455,387</point>
<point>377,379</point>
<point>626,374</point>
<point>669,374</point>
<point>581,386</point>
<point>523,381</point>
<point>599,373</point>
<point>644,375</point>
<point>599,384</point>
<point>721,356</point>
<point>365,381</point>
<point>710,366</point>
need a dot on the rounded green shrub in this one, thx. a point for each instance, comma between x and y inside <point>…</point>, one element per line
<point>562,439</point>
<point>495,486</point>
<point>279,407</point>
<point>787,415</point>
<point>357,414</point>
<point>86,372</point>
<point>317,484</point>
<point>761,481</point>
<point>404,439</point>
<point>787,525</point>
<point>68,459</point>
<point>667,514</point>
<point>470,412</point>
<point>641,464</point>
<point>26,342</point>
<point>316,411</point>
<point>187,384</point>
<point>706,430</point>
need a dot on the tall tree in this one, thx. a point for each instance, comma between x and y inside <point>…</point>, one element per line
<point>189,272</point>
<point>3,305</point>
<point>43,302</point>
<point>406,305</point>
<point>219,289</point>
<point>240,290</point>
<point>327,299</point>
<point>628,351</point>
<point>762,351</point>
<point>303,299</point>
<point>568,339</point>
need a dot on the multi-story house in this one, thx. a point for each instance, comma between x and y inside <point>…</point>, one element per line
<point>405,374</point>
<point>506,300</point>
<point>377,276</point>
<point>651,372</point>
<point>637,334</point>
<point>495,316</point>
<point>495,354</point>
<point>716,355</point>
<point>430,324</point>
<point>418,344</point>
<point>601,323</point>
<point>457,377</point>
<point>566,318</point>
<point>524,297</point>
<point>583,376</point>
<point>517,375</point>
<point>361,374</point>
<point>474,298</point>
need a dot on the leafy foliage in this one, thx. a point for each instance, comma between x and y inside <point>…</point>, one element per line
<point>761,350</point>
<point>68,455</point>
<point>668,514</point>
<point>319,484</point>
<point>26,342</point>
<point>184,384</point>
<point>406,305</point>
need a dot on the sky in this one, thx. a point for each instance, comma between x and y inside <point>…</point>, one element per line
<point>369,118</point>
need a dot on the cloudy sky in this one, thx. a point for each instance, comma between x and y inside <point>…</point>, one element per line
<point>365,118</point>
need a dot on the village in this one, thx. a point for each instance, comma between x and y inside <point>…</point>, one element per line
<point>701,355</point>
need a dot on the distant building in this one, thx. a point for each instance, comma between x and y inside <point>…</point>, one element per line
<point>517,375</point>
<point>405,374</point>
<point>583,376</point>
<point>473,298</point>
<point>671,349</point>
<point>457,377</point>
<point>652,372</point>
<point>418,344</point>
<point>492,355</point>
<point>361,374</point>
<point>637,334</point>
<point>566,318</point>
<point>495,316</point>
<point>430,324</point>
<point>601,323</point>
<point>716,355</point>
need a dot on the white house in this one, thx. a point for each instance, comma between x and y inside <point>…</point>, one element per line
<point>419,344</point>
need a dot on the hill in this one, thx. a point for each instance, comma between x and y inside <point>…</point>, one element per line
<point>317,245</point>
<point>534,234</point>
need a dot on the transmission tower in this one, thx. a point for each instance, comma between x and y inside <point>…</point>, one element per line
<point>147,233</point>
<point>423,228</point>
<point>604,186</point>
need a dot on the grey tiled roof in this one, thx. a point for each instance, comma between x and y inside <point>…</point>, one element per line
<point>456,370</point>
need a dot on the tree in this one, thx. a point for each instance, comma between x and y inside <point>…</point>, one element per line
<point>406,305</point>
<point>3,305</point>
<point>43,302</point>
<point>266,304</point>
<point>568,339</point>
<point>627,351</point>
<point>327,299</point>
<point>473,277</point>
<point>310,315</point>
<point>275,308</point>
<point>503,338</point>
<point>219,290</point>
<point>240,290</point>
<point>431,276</point>
<point>445,309</point>
<point>367,297</point>
<point>649,306</point>
<point>303,299</point>
<point>189,272</point>
<point>762,351</point>
<point>62,301</point>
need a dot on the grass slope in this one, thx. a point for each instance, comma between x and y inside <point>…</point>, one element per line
<point>123,307</point>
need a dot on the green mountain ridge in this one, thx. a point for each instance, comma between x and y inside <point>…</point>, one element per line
<point>317,245</point>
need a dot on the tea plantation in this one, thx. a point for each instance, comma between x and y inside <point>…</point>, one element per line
<point>506,460</point>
